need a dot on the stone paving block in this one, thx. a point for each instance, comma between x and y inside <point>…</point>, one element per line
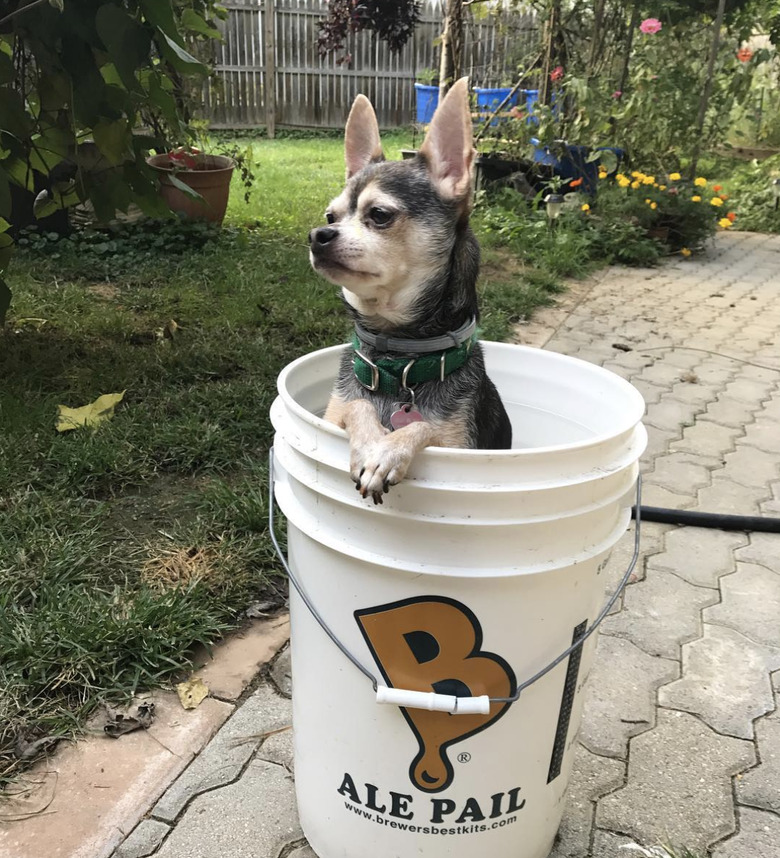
<point>763,548</point>
<point>679,472</point>
<point>651,542</point>
<point>228,751</point>
<point>660,613</point>
<point>658,441</point>
<point>718,374</point>
<point>749,390</point>
<point>302,852</point>
<point>620,695</point>
<point>661,373</point>
<point>735,413</point>
<point>763,433</point>
<point>699,555</point>
<point>607,844</point>
<point>690,390</point>
<point>254,817</point>
<point>706,439</point>
<point>671,414</point>
<point>281,672</point>
<point>750,604</point>
<point>760,787</point>
<point>758,837</point>
<point>143,840</point>
<point>278,748</point>
<point>592,776</point>
<point>650,392</point>
<point>726,496</point>
<point>659,496</point>
<point>725,681</point>
<point>679,785</point>
<point>750,466</point>
<point>770,507</point>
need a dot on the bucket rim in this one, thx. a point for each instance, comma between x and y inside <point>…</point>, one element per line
<point>635,413</point>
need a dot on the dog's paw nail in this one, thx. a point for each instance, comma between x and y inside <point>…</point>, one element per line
<point>362,471</point>
<point>386,486</point>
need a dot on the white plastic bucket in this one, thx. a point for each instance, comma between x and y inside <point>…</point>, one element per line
<point>478,570</point>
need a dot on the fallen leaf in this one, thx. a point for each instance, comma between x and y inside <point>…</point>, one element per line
<point>192,693</point>
<point>88,415</point>
<point>120,723</point>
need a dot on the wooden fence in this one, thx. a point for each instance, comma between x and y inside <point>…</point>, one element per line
<point>277,41</point>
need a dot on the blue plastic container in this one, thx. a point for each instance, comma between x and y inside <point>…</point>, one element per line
<point>488,99</point>
<point>427,98</point>
<point>572,165</point>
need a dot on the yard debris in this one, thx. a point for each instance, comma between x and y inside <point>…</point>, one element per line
<point>252,737</point>
<point>652,852</point>
<point>192,693</point>
<point>24,750</point>
<point>261,610</point>
<point>622,347</point>
<point>120,723</point>
<point>690,377</point>
<point>90,415</point>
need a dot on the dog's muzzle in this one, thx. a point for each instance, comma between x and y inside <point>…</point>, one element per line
<point>320,238</point>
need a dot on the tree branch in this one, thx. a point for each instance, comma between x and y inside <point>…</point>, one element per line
<point>21,9</point>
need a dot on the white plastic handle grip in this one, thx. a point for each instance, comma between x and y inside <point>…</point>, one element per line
<point>434,702</point>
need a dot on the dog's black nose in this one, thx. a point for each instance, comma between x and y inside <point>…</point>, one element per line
<point>323,235</point>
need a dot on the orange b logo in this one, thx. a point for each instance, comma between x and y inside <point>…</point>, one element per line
<point>431,643</point>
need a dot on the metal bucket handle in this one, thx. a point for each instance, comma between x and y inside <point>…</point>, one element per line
<point>430,700</point>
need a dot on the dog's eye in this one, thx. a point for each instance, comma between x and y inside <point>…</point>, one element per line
<point>330,217</point>
<point>381,217</point>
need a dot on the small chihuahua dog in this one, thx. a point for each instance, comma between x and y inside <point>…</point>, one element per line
<point>399,244</point>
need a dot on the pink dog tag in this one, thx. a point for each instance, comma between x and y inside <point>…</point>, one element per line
<point>404,416</point>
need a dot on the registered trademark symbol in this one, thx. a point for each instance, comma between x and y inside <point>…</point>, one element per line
<point>465,757</point>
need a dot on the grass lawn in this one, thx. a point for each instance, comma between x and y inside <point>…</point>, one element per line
<point>120,548</point>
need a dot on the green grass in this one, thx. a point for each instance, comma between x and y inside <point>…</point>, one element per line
<point>123,547</point>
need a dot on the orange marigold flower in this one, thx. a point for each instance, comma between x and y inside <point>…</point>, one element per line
<point>575,183</point>
<point>723,196</point>
<point>717,188</point>
<point>744,55</point>
<point>732,216</point>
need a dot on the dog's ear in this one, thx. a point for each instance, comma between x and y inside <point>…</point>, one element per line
<point>448,146</point>
<point>361,137</point>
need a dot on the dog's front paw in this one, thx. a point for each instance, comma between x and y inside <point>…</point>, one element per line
<point>379,466</point>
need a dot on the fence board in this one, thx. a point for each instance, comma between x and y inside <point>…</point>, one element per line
<point>316,92</point>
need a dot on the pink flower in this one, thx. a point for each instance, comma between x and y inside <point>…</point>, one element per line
<point>556,74</point>
<point>650,26</point>
<point>617,94</point>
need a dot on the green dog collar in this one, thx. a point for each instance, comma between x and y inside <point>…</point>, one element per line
<point>390,375</point>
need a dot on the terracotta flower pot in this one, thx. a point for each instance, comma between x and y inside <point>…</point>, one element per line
<point>210,178</point>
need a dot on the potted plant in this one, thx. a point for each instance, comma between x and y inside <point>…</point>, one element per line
<point>196,184</point>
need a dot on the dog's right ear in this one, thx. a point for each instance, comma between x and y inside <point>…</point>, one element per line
<point>361,137</point>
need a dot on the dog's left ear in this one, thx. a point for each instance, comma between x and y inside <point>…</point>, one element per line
<point>361,137</point>
<point>448,146</point>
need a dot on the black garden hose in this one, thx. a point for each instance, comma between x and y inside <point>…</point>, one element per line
<point>748,523</point>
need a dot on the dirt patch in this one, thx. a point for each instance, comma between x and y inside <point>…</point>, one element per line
<point>107,291</point>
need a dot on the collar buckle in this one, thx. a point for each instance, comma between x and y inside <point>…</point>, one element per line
<point>374,386</point>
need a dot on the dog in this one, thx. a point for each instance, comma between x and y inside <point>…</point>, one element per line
<point>399,244</point>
